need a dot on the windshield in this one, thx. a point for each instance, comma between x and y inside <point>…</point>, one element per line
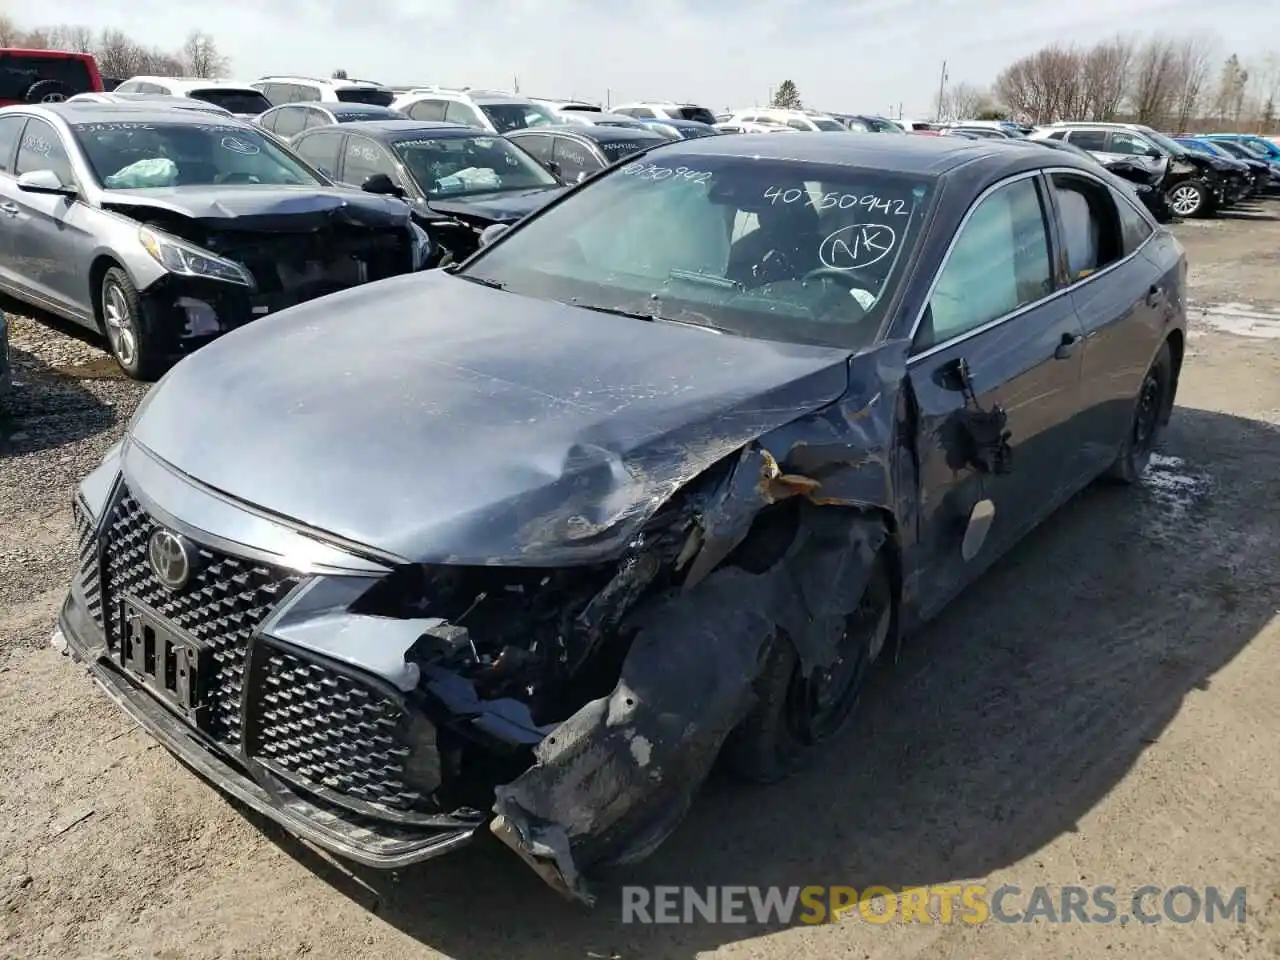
<point>466,166</point>
<point>775,249</point>
<point>372,95</point>
<point>129,155</point>
<point>237,101</point>
<point>506,117</point>
<point>823,124</point>
<point>1254,147</point>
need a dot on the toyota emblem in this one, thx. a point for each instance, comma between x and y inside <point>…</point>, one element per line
<point>171,558</point>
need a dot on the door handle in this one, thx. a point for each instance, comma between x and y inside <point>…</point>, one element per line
<point>1066,348</point>
<point>1153,296</point>
<point>8,208</point>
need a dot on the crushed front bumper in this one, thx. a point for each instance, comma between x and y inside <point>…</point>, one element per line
<point>374,843</point>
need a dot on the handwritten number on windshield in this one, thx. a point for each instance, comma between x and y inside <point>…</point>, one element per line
<point>654,172</point>
<point>837,200</point>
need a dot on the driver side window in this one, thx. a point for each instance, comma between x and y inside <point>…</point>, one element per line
<point>42,149</point>
<point>363,158</point>
<point>998,263</point>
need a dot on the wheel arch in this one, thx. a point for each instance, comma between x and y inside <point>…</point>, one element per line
<point>97,272</point>
<point>775,527</point>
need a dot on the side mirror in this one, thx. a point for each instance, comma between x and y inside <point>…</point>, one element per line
<point>552,167</point>
<point>326,172</point>
<point>382,184</point>
<point>45,181</point>
<point>1154,154</point>
<point>493,232</point>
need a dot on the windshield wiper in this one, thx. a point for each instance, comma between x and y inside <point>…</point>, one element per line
<point>706,279</point>
<point>618,312</point>
<point>708,327</point>
<point>483,281</point>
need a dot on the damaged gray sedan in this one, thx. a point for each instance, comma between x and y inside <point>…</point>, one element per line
<point>650,481</point>
<point>163,228</point>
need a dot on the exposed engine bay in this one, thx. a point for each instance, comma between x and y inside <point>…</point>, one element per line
<point>288,267</point>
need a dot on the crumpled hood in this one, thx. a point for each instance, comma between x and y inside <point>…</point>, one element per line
<point>257,207</point>
<point>441,421</point>
<point>498,207</point>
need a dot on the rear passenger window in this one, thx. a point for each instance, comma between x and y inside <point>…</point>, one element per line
<point>1089,139</point>
<point>463,113</point>
<point>10,130</point>
<point>428,110</point>
<point>1091,229</point>
<point>290,121</point>
<point>1134,227</point>
<point>321,150</point>
<point>1000,262</point>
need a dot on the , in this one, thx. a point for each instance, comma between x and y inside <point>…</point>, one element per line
<point>650,480</point>
<point>164,228</point>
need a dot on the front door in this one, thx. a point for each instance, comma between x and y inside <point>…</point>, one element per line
<point>995,376</point>
<point>53,245</point>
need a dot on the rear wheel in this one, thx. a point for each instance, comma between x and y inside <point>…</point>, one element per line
<point>1151,412</point>
<point>47,91</point>
<point>1190,198</point>
<point>797,712</point>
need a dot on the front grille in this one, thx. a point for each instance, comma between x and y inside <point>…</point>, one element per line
<point>89,569</point>
<point>339,735</point>
<point>222,605</point>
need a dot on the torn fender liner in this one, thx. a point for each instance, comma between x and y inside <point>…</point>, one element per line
<point>615,779</point>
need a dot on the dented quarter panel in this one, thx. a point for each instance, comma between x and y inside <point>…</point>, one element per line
<point>491,430</point>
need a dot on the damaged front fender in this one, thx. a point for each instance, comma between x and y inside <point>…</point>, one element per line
<point>616,778</point>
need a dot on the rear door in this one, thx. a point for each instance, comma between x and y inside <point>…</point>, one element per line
<point>996,335</point>
<point>1124,300</point>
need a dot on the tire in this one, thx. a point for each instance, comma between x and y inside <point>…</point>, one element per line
<point>1151,410</point>
<point>1189,198</point>
<point>781,734</point>
<point>129,337</point>
<point>47,91</point>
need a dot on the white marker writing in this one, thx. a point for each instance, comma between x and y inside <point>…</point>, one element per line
<point>857,246</point>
